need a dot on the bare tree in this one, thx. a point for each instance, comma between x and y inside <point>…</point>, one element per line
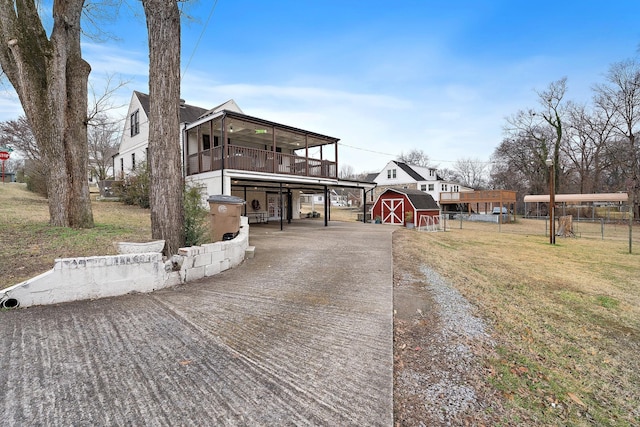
<point>50,77</point>
<point>542,129</point>
<point>414,157</point>
<point>518,163</point>
<point>167,210</point>
<point>552,113</point>
<point>621,96</point>
<point>589,133</point>
<point>346,172</point>
<point>471,172</point>
<point>103,144</point>
<point>101,103</point>
<point>18,135</point>
<point>450,175</point>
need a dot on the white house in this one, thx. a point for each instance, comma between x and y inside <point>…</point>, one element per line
<point>318,198</point>
<point>401,175</point>
<point>134,142</point>
<point>267,164</point>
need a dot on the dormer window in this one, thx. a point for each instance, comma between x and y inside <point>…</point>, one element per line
<point>432,172</point>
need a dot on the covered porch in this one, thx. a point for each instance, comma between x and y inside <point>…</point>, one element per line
<point>228,140</point>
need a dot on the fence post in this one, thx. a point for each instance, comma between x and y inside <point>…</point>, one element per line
<point>602,227</point>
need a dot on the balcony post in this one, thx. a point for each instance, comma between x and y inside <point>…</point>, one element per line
<point>335,144</point>
<point>306,154</point>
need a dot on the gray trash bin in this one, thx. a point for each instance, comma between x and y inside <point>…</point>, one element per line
<point>225,214</point>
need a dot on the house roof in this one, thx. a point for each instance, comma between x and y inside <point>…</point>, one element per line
<point>419,199</point>
<point>188,113</point>
<point>371,177</point>
<point>410,171</point>
<point>230,105</point>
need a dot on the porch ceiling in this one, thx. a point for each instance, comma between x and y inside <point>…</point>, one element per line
<point>256,131</point>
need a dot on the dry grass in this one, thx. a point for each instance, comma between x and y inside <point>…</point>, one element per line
<point>30,246</point>
<point>566,318</point>
<point>336,213</point>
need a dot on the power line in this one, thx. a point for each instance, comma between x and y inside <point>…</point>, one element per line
<point>206,24</point>
<point>396,155</point>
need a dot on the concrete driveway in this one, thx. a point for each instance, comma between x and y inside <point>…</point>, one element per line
<point>300,335</point>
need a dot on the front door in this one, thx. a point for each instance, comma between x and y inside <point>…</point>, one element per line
<point>274,208</point>
<point>392,210</point>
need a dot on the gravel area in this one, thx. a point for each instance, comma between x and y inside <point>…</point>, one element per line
<point>439,346</point>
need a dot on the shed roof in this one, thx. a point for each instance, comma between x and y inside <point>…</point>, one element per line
<point>419,199</point>
<point>596,197</point>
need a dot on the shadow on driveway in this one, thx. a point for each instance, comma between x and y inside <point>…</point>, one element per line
<point>300,335</point>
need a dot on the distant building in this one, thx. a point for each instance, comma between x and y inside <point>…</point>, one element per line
<point>399,175</point>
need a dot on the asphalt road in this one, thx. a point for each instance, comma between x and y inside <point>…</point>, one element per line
<point>300,335</point>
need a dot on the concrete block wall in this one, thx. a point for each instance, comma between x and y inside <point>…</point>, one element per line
<point>73,279</point>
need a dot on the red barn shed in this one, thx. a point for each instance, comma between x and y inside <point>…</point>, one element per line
<point>396,205</point>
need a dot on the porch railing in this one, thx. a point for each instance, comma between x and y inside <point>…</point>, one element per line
<point>255,160</point>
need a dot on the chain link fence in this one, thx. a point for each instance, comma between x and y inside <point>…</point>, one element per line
<point>583,228</point>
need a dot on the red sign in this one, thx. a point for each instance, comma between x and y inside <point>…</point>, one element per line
<point>4,155</point>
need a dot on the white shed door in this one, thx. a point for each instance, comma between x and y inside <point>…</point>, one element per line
<point>392,210</point>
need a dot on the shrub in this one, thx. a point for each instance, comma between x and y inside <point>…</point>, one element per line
<point>35,176</point>
<point>134,188</point>
<point>196,227</point>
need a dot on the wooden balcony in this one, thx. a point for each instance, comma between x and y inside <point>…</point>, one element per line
<point>255,160</point>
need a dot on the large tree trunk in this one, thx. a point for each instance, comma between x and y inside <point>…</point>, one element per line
<point>167,211</point>
<point>50,78</point>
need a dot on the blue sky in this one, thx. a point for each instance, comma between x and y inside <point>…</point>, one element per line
<point>384,77</point>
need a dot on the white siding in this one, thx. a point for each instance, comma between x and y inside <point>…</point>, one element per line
<point>133,145</point>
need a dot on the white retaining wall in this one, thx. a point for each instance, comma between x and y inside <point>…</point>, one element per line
<point>73,279</point>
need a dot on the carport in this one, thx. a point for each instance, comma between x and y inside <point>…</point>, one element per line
<point>536,205</point>
<point>274,198</point>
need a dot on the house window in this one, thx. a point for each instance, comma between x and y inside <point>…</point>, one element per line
<point>391,173</point>
<point>432,172</point>
<point>216,141</point>
<point>444,187</point>
<point>206,142</point>
<point>135,123</point>
<point>455,188</point>
<point>423,187</point>
<point>431,187</point>
<point>121,164</point>
<point>133,161</point>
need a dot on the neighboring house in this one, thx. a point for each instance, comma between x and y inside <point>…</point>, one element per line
<point>134,143</point>
<point>318,198</point>
<point>267,164</point>
<point>401,175</point>
<point>401,206</point>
